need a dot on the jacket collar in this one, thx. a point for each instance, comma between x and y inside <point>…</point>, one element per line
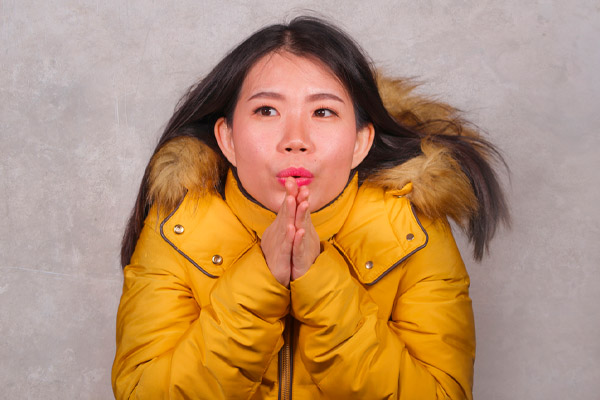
<point>327,221</point>
<point>375,230</point>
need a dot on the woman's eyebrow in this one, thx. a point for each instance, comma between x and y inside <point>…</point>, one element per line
<point>269,95</point>
<point>312,97</point>
<point>324,96</point>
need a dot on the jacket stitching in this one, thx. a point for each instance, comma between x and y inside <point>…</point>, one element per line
<point>162,233</point>
<point>412,208</point>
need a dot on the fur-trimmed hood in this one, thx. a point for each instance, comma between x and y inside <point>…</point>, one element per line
<point>439,186</point>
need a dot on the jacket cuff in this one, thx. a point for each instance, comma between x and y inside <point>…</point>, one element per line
<point>250,284</point>
<point>322,295</point>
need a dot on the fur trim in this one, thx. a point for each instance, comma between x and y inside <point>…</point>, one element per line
<point>182,164</point>
<point>440,187</point>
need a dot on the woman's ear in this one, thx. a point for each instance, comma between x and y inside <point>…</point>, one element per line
<point>364,141</point>
<point>224,136</point>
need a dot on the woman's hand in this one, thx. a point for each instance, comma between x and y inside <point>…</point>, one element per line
<point>291,244</point>
<point>306,247</point>
<point>278,239</point>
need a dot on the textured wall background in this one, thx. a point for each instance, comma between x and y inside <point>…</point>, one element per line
<point>85,87</point>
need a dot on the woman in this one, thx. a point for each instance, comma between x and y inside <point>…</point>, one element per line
<point>290,235</point>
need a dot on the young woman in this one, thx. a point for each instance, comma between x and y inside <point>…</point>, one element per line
<point>290,236</point>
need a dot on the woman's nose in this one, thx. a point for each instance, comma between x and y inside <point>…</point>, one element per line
<point>296,138</point>
<point>296,145</point>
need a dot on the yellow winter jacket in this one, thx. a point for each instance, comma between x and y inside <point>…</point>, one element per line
<point>383,313</point>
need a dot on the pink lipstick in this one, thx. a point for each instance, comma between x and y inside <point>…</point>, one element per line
<point>303,176</point>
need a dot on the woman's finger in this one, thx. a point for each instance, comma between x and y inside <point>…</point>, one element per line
<point>302,217</point>
<point>291,187</point>
<point>298,249</point>
<point>303,194</point>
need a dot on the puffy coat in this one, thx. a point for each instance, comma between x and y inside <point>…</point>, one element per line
<point>383,313</point>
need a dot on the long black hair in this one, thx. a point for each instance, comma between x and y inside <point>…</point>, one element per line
<point>216,95</point>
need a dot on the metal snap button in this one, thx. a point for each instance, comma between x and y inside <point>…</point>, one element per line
<point>410,237</point>
<point>369,264</point>
<point>178,229</point>
<point>217,259</point>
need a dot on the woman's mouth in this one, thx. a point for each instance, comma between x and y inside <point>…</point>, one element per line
<point>302,176</point>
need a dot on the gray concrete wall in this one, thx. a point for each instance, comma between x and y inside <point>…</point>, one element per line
<point>85,87</point>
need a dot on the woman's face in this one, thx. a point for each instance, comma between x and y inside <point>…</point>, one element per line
<point>293,118</point>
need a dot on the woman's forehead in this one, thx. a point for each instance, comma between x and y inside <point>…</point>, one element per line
<point>283,71</point>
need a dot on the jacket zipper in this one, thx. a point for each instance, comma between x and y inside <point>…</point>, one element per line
<point>286,361</point>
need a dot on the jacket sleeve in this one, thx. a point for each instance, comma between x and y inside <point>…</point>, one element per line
<point>424,351</point>
<point>167,347</point>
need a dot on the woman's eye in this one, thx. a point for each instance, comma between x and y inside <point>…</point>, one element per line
<point>324,112</point>
<point>266,111</point>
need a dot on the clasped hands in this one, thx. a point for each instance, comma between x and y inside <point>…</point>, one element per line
<point>291,243</point>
